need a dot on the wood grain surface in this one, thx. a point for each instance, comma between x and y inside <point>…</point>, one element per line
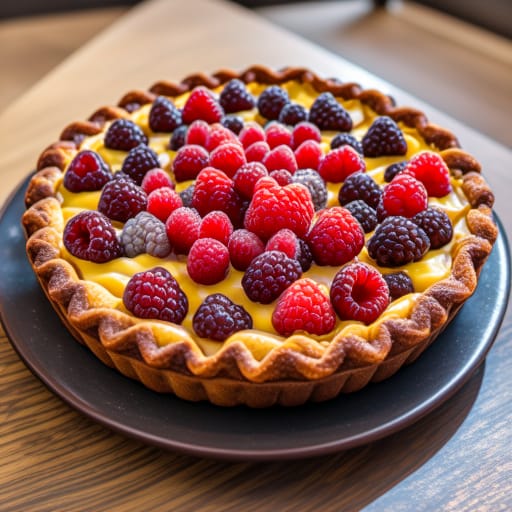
<point>459,457</point>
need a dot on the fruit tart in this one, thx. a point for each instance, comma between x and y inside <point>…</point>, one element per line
<point>264,237</point>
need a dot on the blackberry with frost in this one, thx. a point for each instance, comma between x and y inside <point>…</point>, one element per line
<point>235,97</point>
<point>139,161</point>
<point>164,116</point>
<point>364,214</point>
<point>144,233</point>
<point>399,284</point>
<point>121,199</point>
<point>271,101</point>
<point>293,114</point>
<point>384,138</point>
<point>346,139</point>
<point>360,186</point>
<point>123,135</point>
<point>436,224</point>
<point>328,114</point>
<point>315,184</point>
<point>86,172</point>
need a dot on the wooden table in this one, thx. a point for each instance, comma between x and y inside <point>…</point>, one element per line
<point>459,457</point>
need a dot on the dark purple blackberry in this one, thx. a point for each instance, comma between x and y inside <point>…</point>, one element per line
<point>139,161</point>
<point>397,241</point>
<point>164,116</point>
<point>121,199</point>
<point>178,137</point>
<point>271,101</point>
<point>399,284</point>
<point>345,139</point>
<point>268,275</point>
<point>233,123</point>
<point>315,184</point>
<point>235,97</point>
<point>364,214</point>
<point>90,236</point>
<point>328,114</point>
<point>394,169</point>
<point>384,138</point>
<point>124,135</point>
<point>360,185</point>
<point>187,195</point>
<point>438,226</point>
<point>305,257</point>
<point>217,318</point>
<point>293,114</point>
<point>87,172</point>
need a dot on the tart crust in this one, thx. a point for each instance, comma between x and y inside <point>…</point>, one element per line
<point>302,369</point>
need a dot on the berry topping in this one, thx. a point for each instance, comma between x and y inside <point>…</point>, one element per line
<point>268,275</point>
<point>256,152</point>
<point>364,214</point>
<point>309,155</point>
<point>383,138</point>
<point>292,114</point>
<point>251,133</point>
<point>144,233</point>
<point>397,241</point>
<point>430,169</point>
<point>182,228</point>
<point>304,306</point>
<point>201,104</point>
<point>360,186</point>
<point>285,240</point>
<point>217,318</point>
<point>328,114</point>
<point>164,116</point>
<point>359,292</point>
<point>187,195</point>
<point>281,157</point>
<point>271,101</point>
<point>315,184</point>
<point>198,133</point>
<point>277,134</point>
<point>208,261</point>
<point>339,163</point>
<point>228,157</point>
<point>90,236</point>
<point>305,257</point>
<point>155,179</point>
<point>243,247</point>
<point>235,97</point>
<point>86,172</point>
<point>124,135</point>
<point>282,176</point>
<point>436,224</point>
<point>219,135</point>
<point>178,137</point>
<point>246,177</point>
<point>345,139</point>
<point>139,161</point>
<point>394,169</point>
<point>399,284</point>
<point>216,225</point>
<point>156,294</point>
<point>121,199</point>
<point>162,202</point>
<point>233,123</point>
<point>305,131</point>
<point>404,196</point>
<point>336,237</point>
<point>189,161</point>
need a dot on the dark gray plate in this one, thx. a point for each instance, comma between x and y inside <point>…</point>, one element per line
<point>74,374</point>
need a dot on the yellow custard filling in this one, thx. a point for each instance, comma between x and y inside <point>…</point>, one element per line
<point>114,275</point>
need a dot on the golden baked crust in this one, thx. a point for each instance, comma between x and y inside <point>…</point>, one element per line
<point>296,371</point>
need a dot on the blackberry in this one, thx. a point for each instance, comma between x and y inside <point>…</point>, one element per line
<point>328,114</point>
<point>399,284</point>
<point>124,135</point>
<point>235,97</point>
<point>268,275</point>
<point>87,172</point>
<point>178,137</point>
<point>217,318</point>
<point>122,199</point>
<point>271,101</point>
<point>345,139</point>
<point>394,169</point>
<point>364,214</point>
<point>186,195</point>
<point>144,233</point>
<point>139,161</point>
<point>398,241</point>
<point>164,116</point>
<point>293,114</point>
<point>360,186</point>
<point>436,224</point>
<point>315,184</point>
<point>233,123</point>
<point>305,256</point>
<point>384,138</point>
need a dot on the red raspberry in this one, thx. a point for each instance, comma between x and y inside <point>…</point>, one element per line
<point>164,116</point>
<point>246,177</point>
<point>359,292</point>
<point>189,161</point>
<point>431,170</point>
<point>282,176</point>
<point>304,306</point>
<point>235,97</point>
<point>273,208</point>
<point>162,202</point>
<point>305,131</point>
<point>219,135</point>
<point>208,261</point>
<point>124,135</point>
<point>243,247</point>
<point>139,161</point>
<point>256,152</point>
<point>198,133</point>
<point>121,199</point>
<point>86,172</point>
<point>336,237</point>
<point>276,134</point>
<point>156,294</point>
<point>285,240</point>
<point>201,104</point>
<point>405,196</point>
<point>309,155</point>
<point>216,225</point>
<point>339,163</point>
<point>251,133</point>
<point>182,228</point>
<point>155,179</point>
<point>228,157</point>
<point>281,157</point>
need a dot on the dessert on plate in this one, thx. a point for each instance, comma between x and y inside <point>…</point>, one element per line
<point>264,237</point>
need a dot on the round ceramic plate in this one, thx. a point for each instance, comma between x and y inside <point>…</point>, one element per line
<point>74,374</point>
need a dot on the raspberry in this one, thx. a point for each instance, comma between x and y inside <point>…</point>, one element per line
<point>309,155</point>
<point>436,224</point>
<point>235,97</point>
<point>305,131</point>
<point>90,236</point>
<point>399,284</point>
<point>162,202</point>
<point>336,237</point>
<point>271,101</point>
<point>394,169</point>
<point>246,177</point>
<point>217,318</point>
<point>328,114</point>
<point>315,184</point>
<point>360,186</point>
<point>384,138</point>
<point>219,135</point>
<point>276,134</point>
<point>187,195</point>
<point>124,135</point>
<point>256,152</point>
<point>268,275</point>
<point>208,261</point>
<point>292,114</point>
<point>282,176</point>
<point>122,199</point>
<point>198,133</point>
<point>189,161</point>
<point>182,228</point>
<point>273,208</point>
<point>178,137</point>
<point>345,139</point>
<point>144,233</point>
<point>139,161</point>
<point>397,241</point>
<point>364,214</point>
<point>339,163</point>
<point>404,196</point>
<point>243,247</point>
<point>305,257</point>
<point>251,133</point>
<point>359,292</point>
<point>164,116</point>
<point>228,157</point>
<point>233,123</point>
<point>304,306</point>
<point>86,172</point>
<point>285,240</point>
<point>281,157</point>
<point>430,169</point>
<point>156,294</point>
<point>201,104</point>
<point>216,225</point>
<point>155,179</point>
